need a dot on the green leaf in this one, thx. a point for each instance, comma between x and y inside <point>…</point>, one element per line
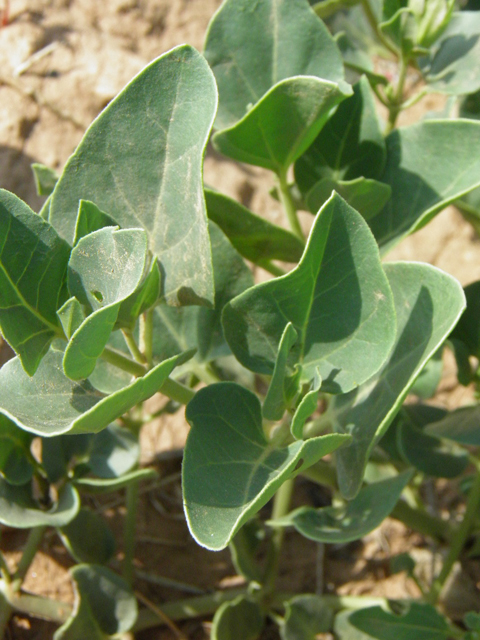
<point>305,617</point>
<point>33,262</point>
<point>58,405</point>
<point>262,137</point>
<point>113,452</point>
<point>198,327</point>
<point>240,619</point>
<point>350,145</point>
<point>353,520</point>
<point>402,562</point>
<point>338,299</point>
<point>104,605</point>
<point>88,538</point>
<point>45,179</point>
<point>470,106</point>
<point>426,452</point>
<point>243,550</point>
<point>306,407</point>
<point>461,425</point>
<point>345,631</point>
<point>368,197</point>
<point>428,303</point>
<point>472,620</point>
<point>101,485</point>
<point>105,268</point>
<point>427,382</point>
<point>141,300</point>
<point>468,327</point>
<point>252,46</point>
<point>18,509</point>
<point>89,219</point>
<point>15,456</point>
<point>425,178</point>
<point>452,65</point>
<point>230,469</point>
<point>253,237</point>
<point>283,385</point>
<point>71,315</point>
<point>420,622</point>
<point>141,161</point>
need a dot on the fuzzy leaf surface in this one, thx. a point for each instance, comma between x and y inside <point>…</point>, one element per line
<point>141,162</point>
<point>33,263</point>
<point>253,237</point>
<point>428,303</point>
<point>58,405</point>
<point>230,470</point>
<point>253,46</point>
<point>105,268</point>
<point>429,165</point>
<point>261,137</point>
<point>358,517</point>
<point>349,146</point>
<point>338,300</point>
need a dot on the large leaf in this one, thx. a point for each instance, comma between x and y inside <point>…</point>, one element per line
<point>198,327</point>
<point>452,64</point>
<point>350,145</point>
<point>282,125</point>
<point>428,303</point>
<point>251,46</point>
<point>240,619</point>
<point>366,196</point>
<point>105,268</point>
<point>252,236</point>
<point>338,300</point>
<point>88,538</point>
<point>58,405</point>
<point>429,165</point>
<point>18,508</point>
<point>104,605</point>
<point>462,426</point>
<point>230,469</point>
<point>420,622</point>
<point>33,262</point>
<point>340,524</point>
<point>141,162</point>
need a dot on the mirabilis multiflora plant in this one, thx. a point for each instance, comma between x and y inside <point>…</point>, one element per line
<point>132,281</point>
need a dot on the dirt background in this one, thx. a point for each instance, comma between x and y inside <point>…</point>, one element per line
<point>61,62</point>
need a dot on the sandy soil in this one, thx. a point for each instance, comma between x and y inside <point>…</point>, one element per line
<point>61,62</point>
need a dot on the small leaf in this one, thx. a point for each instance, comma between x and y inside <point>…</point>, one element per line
<point>402,562</point>
<point>468,327</point>
<point>102,485</point>
<point>33,262</point>
<point>282,386</point>
<point>240,619</point>
<point>345,631</point>
<point>261,137</point>
<point>141,161</point>
<point>417,164</point>
<point>88,538</point>
<point>18,509</point>
<point>105,268</point>
<point>429,378</point>
<point>58,405</point>
<point>420,622</point>
<point>428,303</point>
<point>104,605</point>
<point>15,457</point>
<point>305,617</point>
<point>253,46</point>
<point>71,315</point>
<point>253,237</point>
<point>45,179</point>
<point>342,524</point>
<point>89,219</point>
<point>230,469</point>
<point>426,452</point>
<point>243,550</point>
<point>338,299</point>
<point>472,620</point>
<point>113,452</point>
<point>368,197</point>
<point>452,64</point>
<point>306,407</point>
<point>461,425</point>
<point>141,300</point>
<point>349,146</point>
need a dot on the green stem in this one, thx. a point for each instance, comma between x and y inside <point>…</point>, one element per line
<point>146,335</point>
<point>129,531</point>
<point>122,362</point>
<point>272,268</point>
<point>372,19</point>
<point>289,206</point>
<point>177,391</point>
<point>33,542</point>
<point>281,506</point>
<point>133,347</point>
<point>395,105</point>
<point>458,540</point>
